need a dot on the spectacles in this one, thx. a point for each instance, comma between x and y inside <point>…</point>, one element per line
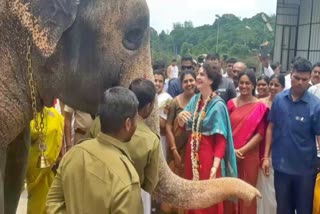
<point>183,67</point>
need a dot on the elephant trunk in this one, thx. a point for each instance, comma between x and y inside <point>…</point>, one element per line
<point>188,194</point>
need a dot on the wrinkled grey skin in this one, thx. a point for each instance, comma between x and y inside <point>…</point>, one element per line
<point>80,48</point>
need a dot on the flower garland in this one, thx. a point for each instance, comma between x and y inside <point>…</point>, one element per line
<point>198,118</point>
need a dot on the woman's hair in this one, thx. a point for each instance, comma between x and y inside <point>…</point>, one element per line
<point>252,78</point>
<point>160,72</point>
<point>214,73</point>
<point>265,78</point>
<point>186,72</point>
<point>280,78</point>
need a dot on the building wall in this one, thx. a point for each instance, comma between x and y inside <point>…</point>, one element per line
<point>297,31</point>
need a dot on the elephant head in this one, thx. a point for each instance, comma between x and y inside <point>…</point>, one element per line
<point>87,46</point>
<point>81,48</point>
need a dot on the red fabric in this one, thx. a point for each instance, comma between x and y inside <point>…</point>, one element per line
<point>207,151</point>
<point>248,169</point>
<point>246,121</point>
<point>220,145</point>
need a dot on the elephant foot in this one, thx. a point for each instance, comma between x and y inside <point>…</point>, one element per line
<point>15,170</point>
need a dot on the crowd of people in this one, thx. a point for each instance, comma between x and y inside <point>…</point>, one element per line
<point>217,119</point>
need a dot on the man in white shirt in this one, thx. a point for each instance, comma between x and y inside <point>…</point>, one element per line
<point>315,74</point>
<point>163,102</point>
<point>229,74</point>
<point>173,70</point>
<point>288,76</point>
<point>265,61</point>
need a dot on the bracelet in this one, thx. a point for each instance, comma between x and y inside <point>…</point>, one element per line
<point>173,148</point>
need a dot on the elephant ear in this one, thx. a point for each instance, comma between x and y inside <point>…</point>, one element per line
<point>46,20</point>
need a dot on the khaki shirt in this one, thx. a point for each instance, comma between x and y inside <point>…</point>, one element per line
<point>96,176</point>
<point>82,120</point>
<point>144,149</point>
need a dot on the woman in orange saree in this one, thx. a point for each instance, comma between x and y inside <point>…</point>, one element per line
<point>248,122</point>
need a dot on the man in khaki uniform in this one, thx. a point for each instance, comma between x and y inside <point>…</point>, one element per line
<point>97,176</point>
<point>81,125</point>
<point>144,147</point>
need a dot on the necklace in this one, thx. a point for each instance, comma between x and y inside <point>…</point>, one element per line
<point>198,118</point>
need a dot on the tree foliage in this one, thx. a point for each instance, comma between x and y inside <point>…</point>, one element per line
<point>236,37</point>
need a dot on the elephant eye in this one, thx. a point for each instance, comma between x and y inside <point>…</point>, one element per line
<point>133,39</point>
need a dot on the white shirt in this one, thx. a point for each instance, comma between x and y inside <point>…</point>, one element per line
<point>163,102</point>
<point>287,81</point>
<point>174,71</point>
<point>268,71</point>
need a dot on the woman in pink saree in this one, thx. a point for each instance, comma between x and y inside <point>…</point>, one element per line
<point>248,122</point>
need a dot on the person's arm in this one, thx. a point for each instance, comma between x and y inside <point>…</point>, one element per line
<point>253,143</point>
<point>67,129</point>
<point>267,152</point>
<point>169,74</point>
<point>318,141</point>
<point>151,170</point>
<point>162,123</point>
<point>55,199</point>
<point>169,134</point>
<point>219,150</point>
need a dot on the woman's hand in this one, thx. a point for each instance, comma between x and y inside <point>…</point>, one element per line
<point>266,166</point>
<point>177,159</point>
<point>183,117</point>
<point>239,154</point>
<point>213,172</point>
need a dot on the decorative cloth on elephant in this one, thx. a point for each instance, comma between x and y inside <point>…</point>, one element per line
<point>40,180</point>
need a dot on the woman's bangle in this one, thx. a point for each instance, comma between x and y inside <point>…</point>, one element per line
<point>173,148</point>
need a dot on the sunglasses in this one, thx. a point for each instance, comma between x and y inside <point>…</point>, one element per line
<point>183,67</point>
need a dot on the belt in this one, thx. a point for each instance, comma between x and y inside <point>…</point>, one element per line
<point>80,131</point>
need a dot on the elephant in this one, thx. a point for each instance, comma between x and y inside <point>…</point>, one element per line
<point>74,50</point>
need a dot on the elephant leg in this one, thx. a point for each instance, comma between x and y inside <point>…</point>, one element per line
<point>3,154</point>
<point>16,165</point>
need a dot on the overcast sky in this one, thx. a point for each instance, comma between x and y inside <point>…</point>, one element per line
<point>165,12</point>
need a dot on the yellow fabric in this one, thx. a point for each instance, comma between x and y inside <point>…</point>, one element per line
<point>145,158</point>
<point>96,176</point>
<point>316,200</point>
<point>40,180</point>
